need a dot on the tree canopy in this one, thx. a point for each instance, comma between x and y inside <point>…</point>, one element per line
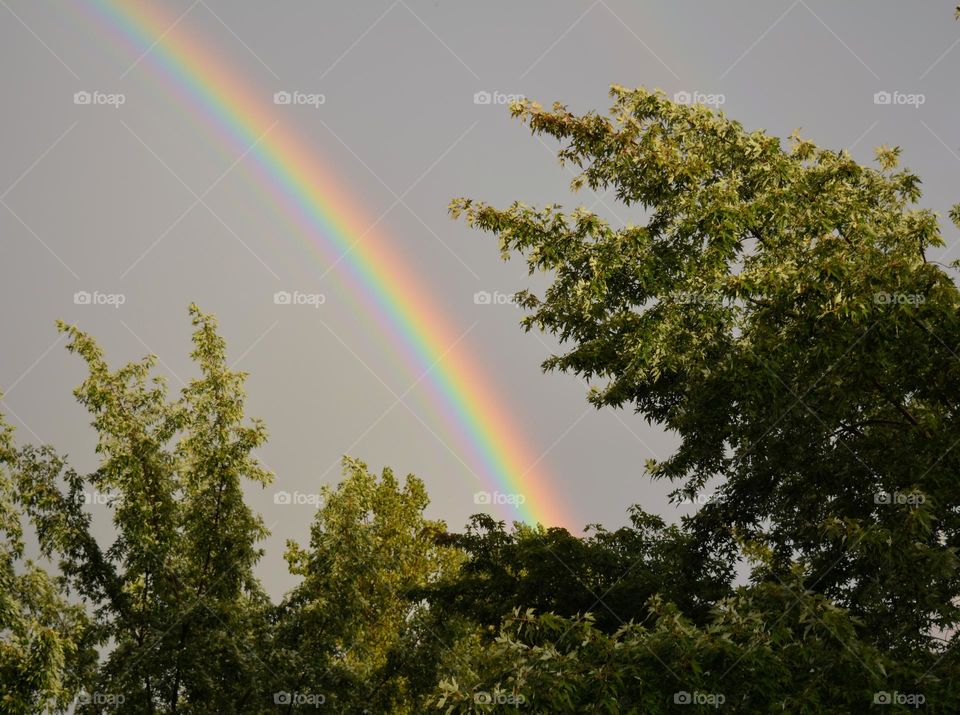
<point>778,312</point>
<point>774,305</point>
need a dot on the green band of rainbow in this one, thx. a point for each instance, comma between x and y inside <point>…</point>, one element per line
<point>376,277</point>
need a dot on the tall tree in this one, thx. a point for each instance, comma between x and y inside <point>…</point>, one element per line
<point>777,310</point>
<point>356,630</point>
<point>45,642</point>
<point>175,591</point>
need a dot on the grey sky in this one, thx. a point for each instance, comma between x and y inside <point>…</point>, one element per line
<point>93,187</point>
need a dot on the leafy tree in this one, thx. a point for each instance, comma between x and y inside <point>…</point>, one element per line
<point>174,594</point>
<point>777,310</point>
<point>355,629</point>
<point>45,646</point>
<point>772,646</point>
<point>609,574</point>
<point>185,625</point>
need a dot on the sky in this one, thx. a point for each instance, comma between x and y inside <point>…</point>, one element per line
<point>151,160</point>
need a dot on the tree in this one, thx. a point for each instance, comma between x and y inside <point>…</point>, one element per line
<point>45,647</point>
<point>772,646</point>
<point>355,631</point>
<point>777,310</point>
<point>611,574</point>
<point>174,592</point>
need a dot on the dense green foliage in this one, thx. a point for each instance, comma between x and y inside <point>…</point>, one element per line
<point>609,574</point>
<point>776,310</point>
<point>44,649</point>
<point>174,593</point>
<point>352,629</point>
<point>762,314</point>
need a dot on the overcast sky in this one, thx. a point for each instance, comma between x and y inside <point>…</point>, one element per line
<point>95,198</point>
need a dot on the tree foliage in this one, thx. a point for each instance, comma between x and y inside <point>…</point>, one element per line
<point>174,593</point>
<point>355,623</point>
<point>774,306</point>
<point>777,311</point>
<point>611,574</point>
<point>45,649</point>
<point>184,624</point>
<point>772,646</point>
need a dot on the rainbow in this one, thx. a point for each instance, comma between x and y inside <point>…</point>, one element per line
<point>375,275</point>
